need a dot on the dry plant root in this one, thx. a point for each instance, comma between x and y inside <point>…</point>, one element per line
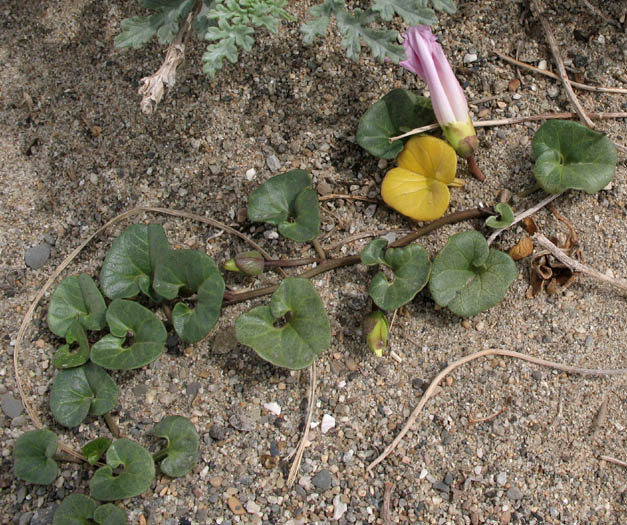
<point>484,353</point>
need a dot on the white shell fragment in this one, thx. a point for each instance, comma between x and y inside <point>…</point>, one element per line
<point>328,422</point>
<point>273,408</point>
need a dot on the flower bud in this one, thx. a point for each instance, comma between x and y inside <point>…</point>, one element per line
<point>375,329</point>
<point>250,263</point>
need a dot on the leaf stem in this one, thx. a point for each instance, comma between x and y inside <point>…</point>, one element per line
<point>349,260</point>
<point>158,456</point>
<point>290,263</point>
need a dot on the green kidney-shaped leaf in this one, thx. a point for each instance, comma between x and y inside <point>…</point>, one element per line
<point>135,478</point>
<point>411,268</point>
<point>190,271</point>
<point>130,263</point>
<point>571,156</point>
<point>76,509</point>
<point>305,334</point>
<point>289,202</point>
<point>470,277</point>
<point>82,391</point>
<point>148,333</point>
<point>65,356</point>
<point>505,218</point>
<point>396,113</point>
<point>76,297</point>
<point>374,252</point>
<point>32,453</point>
<point>95,449</point>
<point>109,514</point>
<point>182,450</point>
<point>79,509</point>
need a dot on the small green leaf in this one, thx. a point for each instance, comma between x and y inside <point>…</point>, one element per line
<point>448,6</point>
<point>76,297</point>
<point>130,263</point>
<point>32,453</point>
<point>505,219</point>
<point>305,334</point>
<point>287,201</point>
<point>396,113</point>
<point>468,276</point>
<point>411,268</point>
<point>189,272</point>
<point>82,391</point>
<point>413,12</point>
<point>182,450</point>
<point>76,509</point>
<point>138,473</point>
<point>374,252</point>
<point>65,356</point>
<point>137,31</point>
<point>571,156</point>
<point>95,449</point>
<point>148,337</point>
<point>110,514</point>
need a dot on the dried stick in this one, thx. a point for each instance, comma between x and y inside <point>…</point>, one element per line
<point>298,457</point>
<point>576,266</point>
<point>539,12</point>
<point>523,215</point>
<point>610,459</point>
<point>347,197</point>
<point>359,236</point>
<point>474,421</point>
<point>547,73</point>
<point>517,120</point>
<point>594,9</point>
<point>484,353</point>
<point>65,263</point>
<point>387,496</point>
<point>153,87</point>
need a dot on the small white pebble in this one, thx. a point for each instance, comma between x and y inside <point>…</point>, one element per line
<point>250,174</point>
<point>328,422</point>
<point>273,407</point>
<point>423,473</point>
<point>542,65</point>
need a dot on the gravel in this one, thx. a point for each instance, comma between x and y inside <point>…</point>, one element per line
<point>37,256</point>
<point>11,406</point>
<point>287,106</point>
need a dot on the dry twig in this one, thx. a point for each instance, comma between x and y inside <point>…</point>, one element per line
<point>153,87</point>
<point>595,10</point>
<point>484,353</point>
<point>474,421</point>
<point>576,266</point>
<point>547,73</point>
<point>298,456</point>
<point>523,215</point>
<point>519,120</point>
<point>610,459</point>
<point>539,13</point>
<point>387,496</point>
<point>599,418</point>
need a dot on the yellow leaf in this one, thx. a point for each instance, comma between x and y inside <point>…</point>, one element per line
<point>429,156</point>
<point>418,187</point>
<point>414,195</point>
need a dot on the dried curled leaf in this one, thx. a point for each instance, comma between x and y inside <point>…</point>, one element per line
<point>522,249</point>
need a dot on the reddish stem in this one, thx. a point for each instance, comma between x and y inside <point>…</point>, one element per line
<point>475,169</point>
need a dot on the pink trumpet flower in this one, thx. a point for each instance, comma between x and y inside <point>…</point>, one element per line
<point>426,58</point>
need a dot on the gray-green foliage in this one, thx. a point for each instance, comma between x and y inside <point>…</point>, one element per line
<point>230,25</point>
<point>356,25</point>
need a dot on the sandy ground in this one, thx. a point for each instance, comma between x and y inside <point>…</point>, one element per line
<point>75,151</point>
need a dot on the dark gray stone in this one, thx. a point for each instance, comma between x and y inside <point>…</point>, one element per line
<point>44,516</point>
<point>322,480</point>
<point>441,486</point>
<point>218,432</point>
<point>193,388</point>
<point>241,423</point>
<point>514,493</point>
<point>273,163</point>
<point>25,518</point>
<point>36,256</point>
<point>11,406</point>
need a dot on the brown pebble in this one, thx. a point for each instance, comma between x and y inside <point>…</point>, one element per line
<point>449,380</point>
<point>215,481</point>
<point>235,506</point>
<point>351,364</point>
<point>142,520</point>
